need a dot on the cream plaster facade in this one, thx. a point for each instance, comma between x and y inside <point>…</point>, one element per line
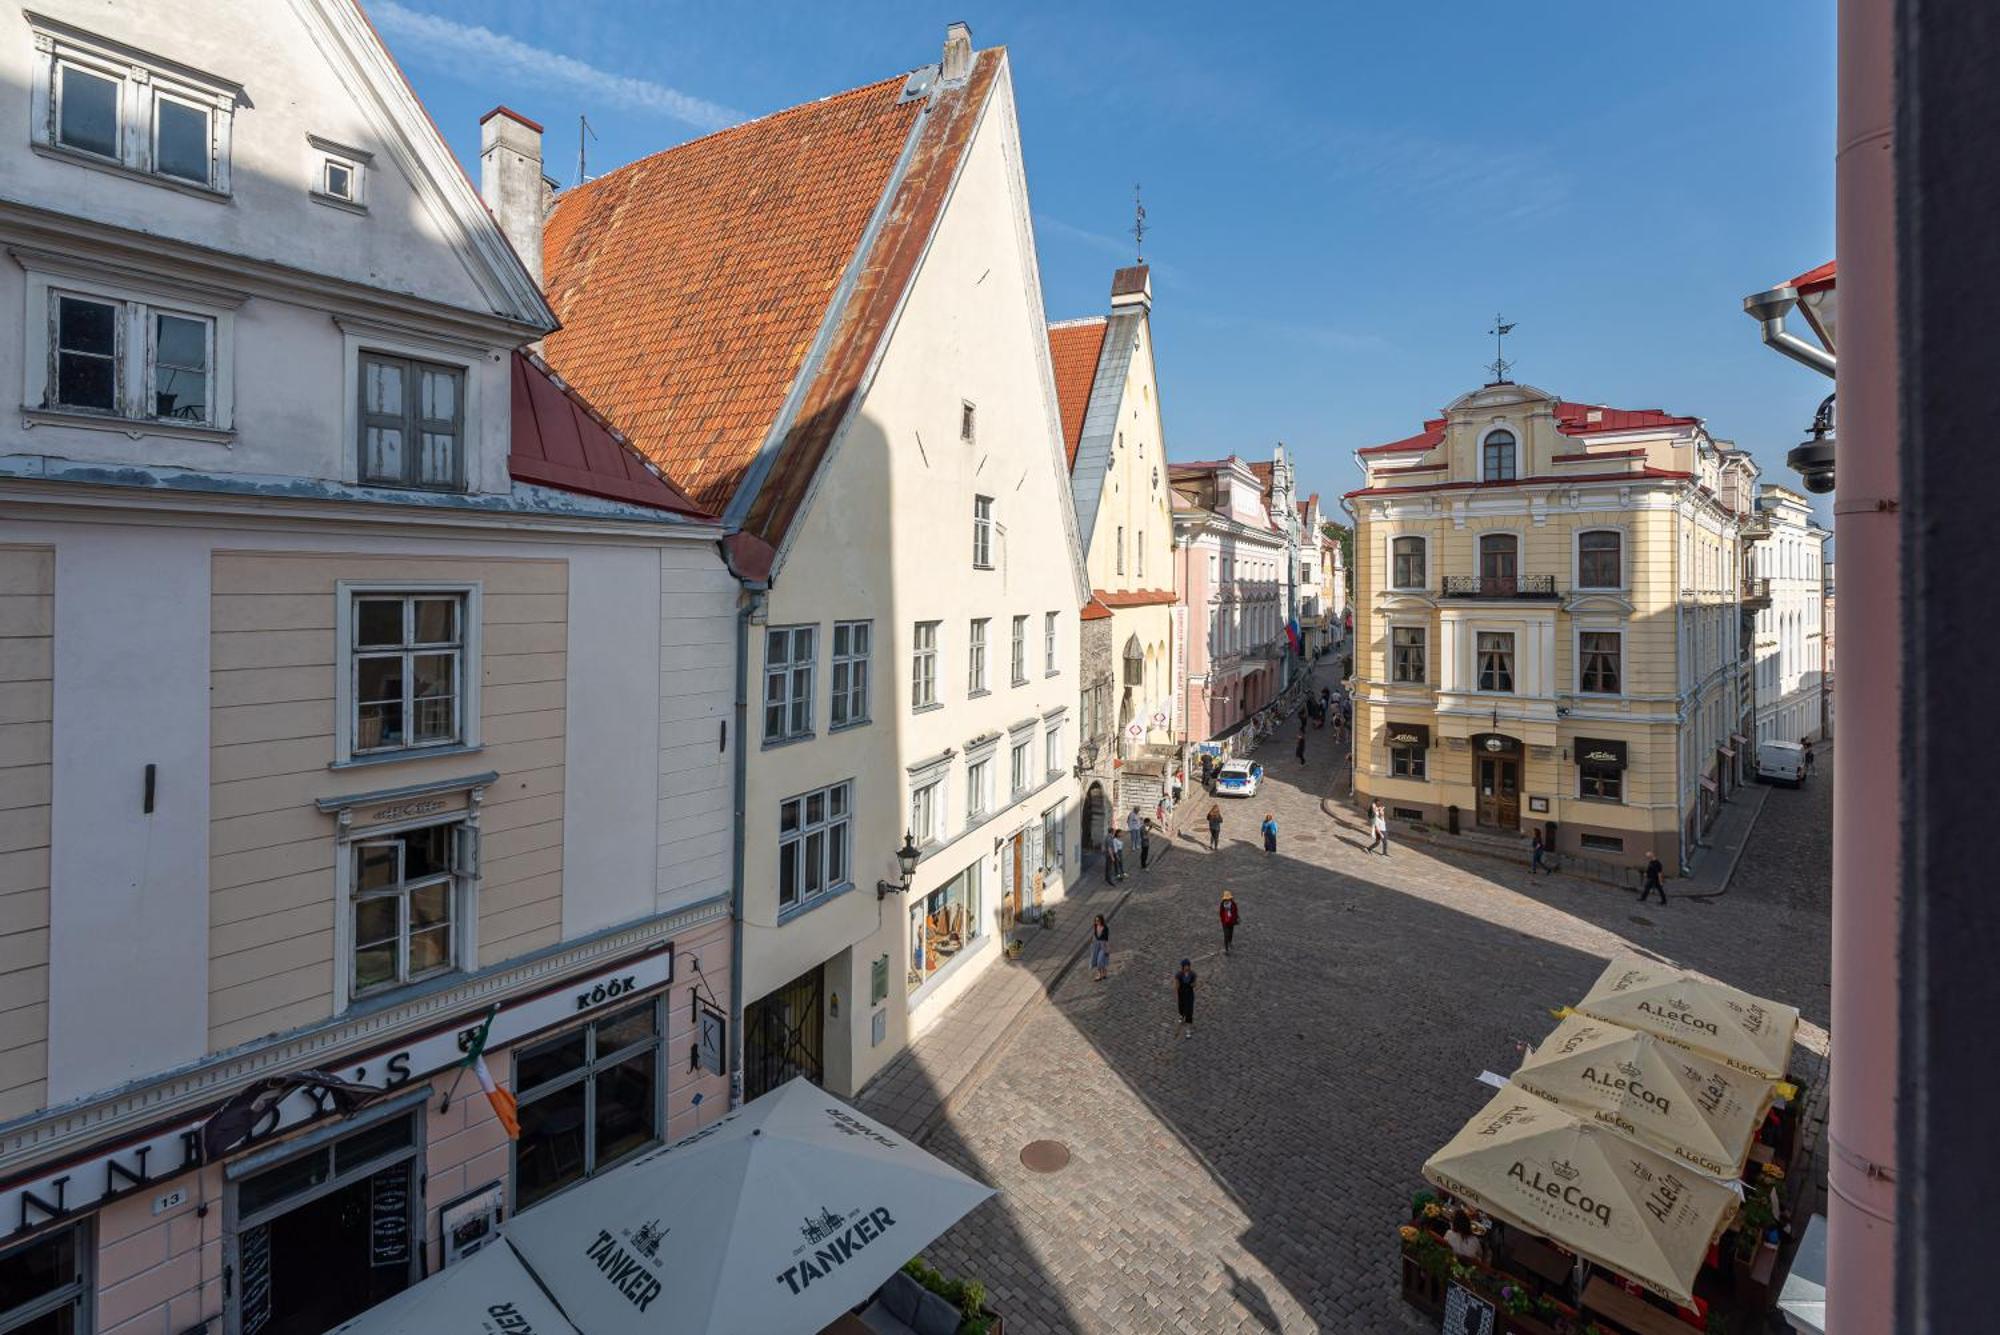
<point>912,530</point>
<point>1789,567</point>
<point>1546,617</point>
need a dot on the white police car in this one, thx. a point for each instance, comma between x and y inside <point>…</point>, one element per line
<point>1238,778</point>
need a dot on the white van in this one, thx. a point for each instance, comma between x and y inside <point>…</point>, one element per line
<point>1781,762</point>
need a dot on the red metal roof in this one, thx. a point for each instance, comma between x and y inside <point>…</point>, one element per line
<point>1812,280</point>
<point>559,440</point>
<point>1074,348</point>
<point>1431,435</point>
<point>1572,419</point>
<point>1647,472</point>
<point>692,284</point>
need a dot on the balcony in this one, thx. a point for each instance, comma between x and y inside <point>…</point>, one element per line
<point>1540,588</point>
<point>1756,594</point>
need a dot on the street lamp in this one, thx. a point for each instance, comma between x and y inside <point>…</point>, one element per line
<point>907,858</point>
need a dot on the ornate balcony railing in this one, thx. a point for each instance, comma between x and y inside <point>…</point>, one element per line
<point>1757,592</point>
<point>1500,586</point>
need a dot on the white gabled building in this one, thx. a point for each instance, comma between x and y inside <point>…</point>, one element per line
<point>1788,568</point>
<point>356,690</point>
<point>827,324</point>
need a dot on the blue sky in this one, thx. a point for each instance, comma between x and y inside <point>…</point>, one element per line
<point>1340,196</point>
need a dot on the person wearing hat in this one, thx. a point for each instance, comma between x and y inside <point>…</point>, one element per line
<point>1229,914</point>
<point>1184,995</point>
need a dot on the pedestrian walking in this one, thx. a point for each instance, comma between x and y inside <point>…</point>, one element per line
<point>1809,760</point>
<point>1655,879</point>
<point>1184,997</point>
<point>1100,947</point>
<point>1229,914</point>
<point>1162,809</point>
<point>1214,826</point>
<point>1114,855</point>
<point>1540,850</point>
<point>1302,746</point>
<point>1270,829</point>
<point>1145,846</point>
<point>1378,824</point>
<point>1135,830</point>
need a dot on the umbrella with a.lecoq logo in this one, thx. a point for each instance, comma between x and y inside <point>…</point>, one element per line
<point>1669,1098</point>
<point>1747,1032</point>
<point>774,1220</point>
<point>1534,1164</point>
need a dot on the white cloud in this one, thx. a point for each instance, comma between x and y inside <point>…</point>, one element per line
<point>485,54</point>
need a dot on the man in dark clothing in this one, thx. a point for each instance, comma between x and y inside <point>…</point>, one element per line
<point>1654,882</point>
<point>1302,748</point>
<point>1184,997</point>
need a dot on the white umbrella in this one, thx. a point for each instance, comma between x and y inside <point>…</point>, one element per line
<point>776,1219</point>
<point>488,1293</point>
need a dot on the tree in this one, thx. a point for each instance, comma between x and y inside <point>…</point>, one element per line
<point>1343,535</point>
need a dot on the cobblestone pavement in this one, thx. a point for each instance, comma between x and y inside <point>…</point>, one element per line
<point>1250,1178</point>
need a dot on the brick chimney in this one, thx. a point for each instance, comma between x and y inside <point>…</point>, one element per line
<point>957,65</point>
<point>510,180</point>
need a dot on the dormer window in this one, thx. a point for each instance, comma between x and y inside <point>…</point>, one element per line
<point>102,104</point>
<point>337,175</point>
<point>1497,457</point>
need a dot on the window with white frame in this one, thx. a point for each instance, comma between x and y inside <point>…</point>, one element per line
<point>789,656</point>
<point>1049,624</point>
<point>338,173</point>
<point>1019,651</point>
<point>978,787</point>
<point>1121,549</point>
<point>1140,572</point>
<point>1055,823</point>
<point>45,1283</point>
<point>1052,748</point>
<point>927,809</point>
<point>923,666</point>
<point>1496,660</point>
<point>1407,650</point>
<point>410,904</point>
<point>1599,559</point>
<point>813,844</point>
<point>100,102</point>
<point>982,532</point>
<point>1497,463</point>
<point>975,660</point>
<point>412,423</point>
<point>851,644</point>
<point>1598,667</point>
<point>127,358</point>
<point>1407,563</point>
<point>1020,773</point>
<point>406,674</point>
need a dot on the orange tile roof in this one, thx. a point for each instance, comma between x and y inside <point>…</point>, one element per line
<point>1094,611</point>
<point>692,284</point>
<point>1074,347</point>
<point>1134,598</point>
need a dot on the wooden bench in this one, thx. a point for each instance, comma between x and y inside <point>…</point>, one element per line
<point>1603,1298</point>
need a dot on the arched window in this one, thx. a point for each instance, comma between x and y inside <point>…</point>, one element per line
<point>1408,556</point>
<point>1499,457</point>
<point>1499,564</point>
<point>1135,662</point>
<point>1599,559</point>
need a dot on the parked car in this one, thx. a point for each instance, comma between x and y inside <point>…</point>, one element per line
<point>1781,762</point>
<point>1238,778</point>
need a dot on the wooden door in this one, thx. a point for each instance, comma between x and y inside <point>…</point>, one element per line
<point>1500,792</point>
<point>1014,853</point>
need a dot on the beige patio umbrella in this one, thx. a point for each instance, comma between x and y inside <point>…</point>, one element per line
<point>1670,1099</point>
<point>1534,1164</point>
<point>1747,1032</point>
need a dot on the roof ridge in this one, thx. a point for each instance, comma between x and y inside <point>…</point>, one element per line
<point>1077,321</point>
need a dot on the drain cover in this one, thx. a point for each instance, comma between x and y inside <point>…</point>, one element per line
<point>1045,1156</point>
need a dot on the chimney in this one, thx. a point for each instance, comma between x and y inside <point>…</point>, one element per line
<point>1132,286</point>
<point>957,54</point>
<point>510,181</point>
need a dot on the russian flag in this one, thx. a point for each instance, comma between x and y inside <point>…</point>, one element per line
<point>1292,634</point>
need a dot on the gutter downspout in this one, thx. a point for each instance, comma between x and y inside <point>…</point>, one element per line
<point>743,561</point>
<point>1769,309</point>
<point>1349,644</point>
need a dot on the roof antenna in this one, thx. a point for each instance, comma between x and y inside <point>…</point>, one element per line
<point>1500,366</point>
<point>582,129</point>
<point>1139,222</point>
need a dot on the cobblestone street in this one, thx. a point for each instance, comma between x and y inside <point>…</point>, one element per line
<point>1251,1178</point>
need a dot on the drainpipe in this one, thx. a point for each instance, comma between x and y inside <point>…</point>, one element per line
<point>749,559</point>
<point>1867,796</point>
<point>1769,310</point>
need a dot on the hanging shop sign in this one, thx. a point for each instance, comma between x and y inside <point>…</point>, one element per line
<point>285,1104</point>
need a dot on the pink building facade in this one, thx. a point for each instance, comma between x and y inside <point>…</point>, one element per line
<point>1231,563</point>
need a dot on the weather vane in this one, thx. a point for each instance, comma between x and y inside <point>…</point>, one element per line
<point>1139,222</point>
<point>1500,366</point>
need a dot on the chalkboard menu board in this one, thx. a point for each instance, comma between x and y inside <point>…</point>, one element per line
<point>253,1256</point>
<point>389,1216</point>
<point>1466,1313</point>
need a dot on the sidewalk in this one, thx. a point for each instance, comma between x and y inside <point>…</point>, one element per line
<point>915,1090</point>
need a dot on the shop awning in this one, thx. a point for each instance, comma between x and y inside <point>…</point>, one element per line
<point>1746,1032</point>
<point>1595,751</point>
<point>1539,1167</point>
<point>772,1221</point>
<point>1680,1103</point>
<point>1410,734</point>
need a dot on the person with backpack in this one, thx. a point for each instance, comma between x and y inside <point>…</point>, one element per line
<point>1230,915</point>
<point>1214,826</point>
<point>1270,829</point>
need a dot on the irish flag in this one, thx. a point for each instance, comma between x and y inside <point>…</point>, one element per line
<point>504,1106</point>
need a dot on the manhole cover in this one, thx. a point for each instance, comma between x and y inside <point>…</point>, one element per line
<point>1045,1156</point>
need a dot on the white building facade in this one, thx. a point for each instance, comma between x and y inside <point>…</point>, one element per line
<point>1789,568</point>
<point>343,714</point>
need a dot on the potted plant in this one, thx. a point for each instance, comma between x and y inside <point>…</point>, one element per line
<point>968,1295</point>
<point>1426,1267</point>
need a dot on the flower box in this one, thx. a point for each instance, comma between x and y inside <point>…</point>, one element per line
<point>1421,1289</point>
